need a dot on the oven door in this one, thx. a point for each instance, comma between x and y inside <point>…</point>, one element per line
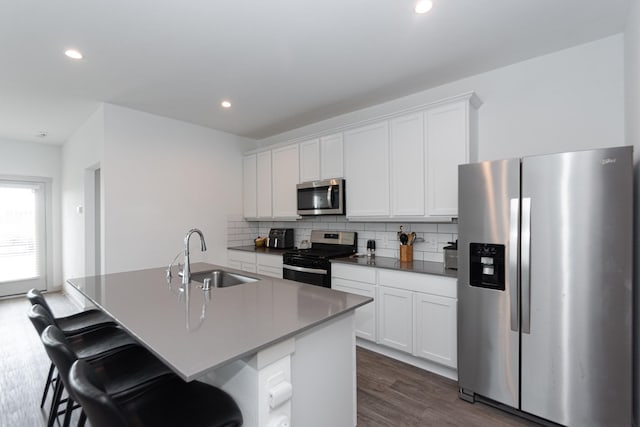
<point>319,275</point>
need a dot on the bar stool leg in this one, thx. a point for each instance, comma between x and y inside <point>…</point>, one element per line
<point>57,395</point>
<point>47,385</point>
<point>67,412</point>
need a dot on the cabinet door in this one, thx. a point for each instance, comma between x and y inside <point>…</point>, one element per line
<point>447,130</point>
<point>365,315</point>
<point>285,175</point>
<point>310,160</point>
<point>331,157</point>
<point>263,179</point>
<point>435,329</point>
<point>395,318</point>
<point>407,166</point>
<point>249,188</point>
<point>366,157</point>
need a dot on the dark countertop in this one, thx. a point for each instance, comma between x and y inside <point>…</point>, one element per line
<point>194,331</point>
<point>260,250</point>
<point>425,267</point>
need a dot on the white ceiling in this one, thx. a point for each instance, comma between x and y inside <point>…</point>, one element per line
<point>282,63</point>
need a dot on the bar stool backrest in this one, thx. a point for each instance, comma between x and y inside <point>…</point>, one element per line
<point>40,318</point>
<point>35,297</point>
<point>99,407</point>
<point>60,352</point>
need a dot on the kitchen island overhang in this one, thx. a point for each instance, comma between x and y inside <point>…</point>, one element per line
<point>233,337</point>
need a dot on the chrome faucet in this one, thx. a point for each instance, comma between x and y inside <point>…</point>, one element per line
<point>186,272</point>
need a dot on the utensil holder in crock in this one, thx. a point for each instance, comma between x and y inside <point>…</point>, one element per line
<point>406,253</point>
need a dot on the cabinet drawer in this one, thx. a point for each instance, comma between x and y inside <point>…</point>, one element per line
<point>242,256</point>
<point>417,282</point>
<point>350,272</point>
<point>270,260</point>
<point>270,271</point>
<point>234,264</point>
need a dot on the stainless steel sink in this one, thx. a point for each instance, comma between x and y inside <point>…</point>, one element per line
<point>221,278</point>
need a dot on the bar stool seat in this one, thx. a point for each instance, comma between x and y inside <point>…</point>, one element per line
<point>168,402</point>
<point>120,371</point>
<point>70,325</point>
<point>75,323</point>
<point>93,344</point>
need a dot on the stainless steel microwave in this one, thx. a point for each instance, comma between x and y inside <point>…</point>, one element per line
<point>321,197</point>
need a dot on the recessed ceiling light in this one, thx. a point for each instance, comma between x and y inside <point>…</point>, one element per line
<point>73,54</point>
<point>423,6</point>
<point>42,134</point>
<point>225,104</point>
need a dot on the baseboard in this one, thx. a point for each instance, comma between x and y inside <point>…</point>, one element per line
<point>74,296</point>
<point>436,368</point>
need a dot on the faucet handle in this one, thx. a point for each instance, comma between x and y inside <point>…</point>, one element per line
<point>206,285</point>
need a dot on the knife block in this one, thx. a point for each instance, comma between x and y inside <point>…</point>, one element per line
<point>406,253</point>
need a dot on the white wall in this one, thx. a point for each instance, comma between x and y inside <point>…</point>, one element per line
<point>568,100</point>
<point>39,160</point>
<point>82,151</point>
<point>632,127</point>
<point>162,177</point>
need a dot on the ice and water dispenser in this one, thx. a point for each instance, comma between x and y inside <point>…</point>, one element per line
<point>487,266</point>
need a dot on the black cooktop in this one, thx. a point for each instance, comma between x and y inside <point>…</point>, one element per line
<point>323,253</point>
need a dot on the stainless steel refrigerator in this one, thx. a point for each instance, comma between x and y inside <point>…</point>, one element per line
<point>545,285</point>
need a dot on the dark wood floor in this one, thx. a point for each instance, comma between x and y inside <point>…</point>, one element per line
<point>393,394</point>
<point>390,393</point>
<point>23,362</point>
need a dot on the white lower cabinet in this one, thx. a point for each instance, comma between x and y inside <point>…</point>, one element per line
<point>265,264</point>
<point>241,260</point>
<point>365,315</point>
<point>395,318</point>
<point>414,313</point>
<point>435,320</point>
<point>269,265</point>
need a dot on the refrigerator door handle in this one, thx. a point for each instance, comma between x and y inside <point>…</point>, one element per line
<point>513,261</point>
<point>526,265</point>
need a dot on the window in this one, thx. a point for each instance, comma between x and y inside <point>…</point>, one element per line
<point>22,236</point>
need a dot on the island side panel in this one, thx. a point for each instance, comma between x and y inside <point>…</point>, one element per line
<point>324,375</point>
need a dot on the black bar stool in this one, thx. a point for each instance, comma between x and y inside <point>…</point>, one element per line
<point>74,324</point>
<point>170,402</point>
<point>120,371</point>
<point>93,344</point>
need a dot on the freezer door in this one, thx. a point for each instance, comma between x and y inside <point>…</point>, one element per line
<point>487,280</point>
<point>576,313</point>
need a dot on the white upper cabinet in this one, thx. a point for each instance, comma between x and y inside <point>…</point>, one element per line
<point>249,186</point>
<point>448,136</point>
<point>321,158</point>
<point>366,160</point>
<point>263,186</point>
<point>398,169</point>
<point>285,175</point>
<point>310,160</point>
<point>407,166</point>
<point>331,157</point>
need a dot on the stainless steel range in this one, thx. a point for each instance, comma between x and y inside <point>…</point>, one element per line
<point>313,265</point>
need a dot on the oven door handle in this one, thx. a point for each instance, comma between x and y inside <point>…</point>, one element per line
<point>304,269</point>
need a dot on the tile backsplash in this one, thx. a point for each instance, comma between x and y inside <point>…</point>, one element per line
<point>431,237</point>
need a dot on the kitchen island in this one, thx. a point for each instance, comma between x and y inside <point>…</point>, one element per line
<point>261,341</point>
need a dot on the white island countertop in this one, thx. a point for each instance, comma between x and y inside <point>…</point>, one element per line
<point>200,333</point>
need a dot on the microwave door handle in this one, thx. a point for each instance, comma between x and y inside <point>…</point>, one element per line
<point>329,199</point>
